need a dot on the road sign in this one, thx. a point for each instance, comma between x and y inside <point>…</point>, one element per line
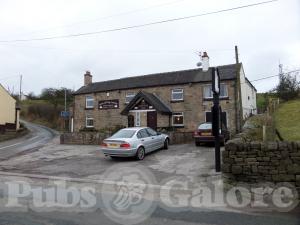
<point>64,114</point>
<point>215,81</point>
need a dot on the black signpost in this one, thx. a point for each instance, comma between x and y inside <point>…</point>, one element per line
<point>215,111</point>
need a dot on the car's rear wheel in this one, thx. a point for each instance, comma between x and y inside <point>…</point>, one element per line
<point>166,144</point>
<point>140,154</point>
<point>197,143</point>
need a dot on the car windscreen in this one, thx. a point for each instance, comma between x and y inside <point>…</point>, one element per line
<point>205,126</point>
<point>124,134</point>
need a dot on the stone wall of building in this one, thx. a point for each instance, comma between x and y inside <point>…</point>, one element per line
<point>254,162</point>
<point>194,106</point>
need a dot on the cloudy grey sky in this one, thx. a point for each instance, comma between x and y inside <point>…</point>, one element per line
<point>264,34</point>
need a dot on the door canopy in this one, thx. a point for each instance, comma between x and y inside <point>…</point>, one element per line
<point>147,101</point>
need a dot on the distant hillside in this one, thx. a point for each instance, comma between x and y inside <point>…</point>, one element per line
<point>42,112</point>
<point>287,119</point>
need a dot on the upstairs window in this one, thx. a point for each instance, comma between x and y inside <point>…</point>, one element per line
<point>129,97</point>
<point>177,94</point>
<point>207,91</point>
<point>89,102</point>
<point>223,90</point>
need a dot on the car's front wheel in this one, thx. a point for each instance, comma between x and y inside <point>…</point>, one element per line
<point>166,144</point>
<point>140,154</point>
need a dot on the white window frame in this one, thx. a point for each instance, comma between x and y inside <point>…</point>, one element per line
<point>177,91</point>
<point>86,121</point>
<point>128,95</point>
<point>204,91</point>
<point>89,98</point>
<point>137,119</point>
<point>226,86</point>
<point>175,114</point>
<point>210,86</point>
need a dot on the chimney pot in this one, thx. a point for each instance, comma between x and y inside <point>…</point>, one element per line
<point>88,78</point>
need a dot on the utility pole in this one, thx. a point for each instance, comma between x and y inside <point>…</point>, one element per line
<point>238,94</point>
<point>65,99</point>
<point>20,96</point>
<point>280,71</point>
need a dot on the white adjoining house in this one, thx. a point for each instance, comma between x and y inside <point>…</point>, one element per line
<point>9,113</point>
<point>248,96</point>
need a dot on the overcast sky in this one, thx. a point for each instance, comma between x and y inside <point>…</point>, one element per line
<point>265,35</point>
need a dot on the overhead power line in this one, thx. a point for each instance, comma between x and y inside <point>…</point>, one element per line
<point>277,75</point>
<point>108,16</point>
<point>137,26</point>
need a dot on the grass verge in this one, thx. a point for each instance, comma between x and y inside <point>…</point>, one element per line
<point>287,119</point>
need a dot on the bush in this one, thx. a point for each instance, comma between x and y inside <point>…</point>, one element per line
<point>288,87</point>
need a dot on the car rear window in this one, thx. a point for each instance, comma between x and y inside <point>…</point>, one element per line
<point>205,126</point>
<point>124,134</point>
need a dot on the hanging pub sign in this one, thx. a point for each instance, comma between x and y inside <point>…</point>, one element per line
<point>109,104</point>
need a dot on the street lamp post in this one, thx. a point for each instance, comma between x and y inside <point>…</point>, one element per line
<point>215,110</point>
<point>216,116</point>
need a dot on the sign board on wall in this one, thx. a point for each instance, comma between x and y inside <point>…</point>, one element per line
<point>143,105</point>
<point>109,104</point>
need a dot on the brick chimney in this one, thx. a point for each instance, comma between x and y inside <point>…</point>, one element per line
<point>205,61</point>
<point>88,78</point>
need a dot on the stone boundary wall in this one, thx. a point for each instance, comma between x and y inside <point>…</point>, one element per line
<point>82,138</point>
<point>96,138</point>
<point>255,162</point>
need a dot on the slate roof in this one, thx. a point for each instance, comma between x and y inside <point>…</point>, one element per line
<point>152,99</point>
<point>227,72</point>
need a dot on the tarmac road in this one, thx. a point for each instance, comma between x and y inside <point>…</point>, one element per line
<point>33,154</point>
<point>38,137</point>
<point>159,217</point>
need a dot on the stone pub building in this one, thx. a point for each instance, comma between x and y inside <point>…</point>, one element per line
<point>178,100</point>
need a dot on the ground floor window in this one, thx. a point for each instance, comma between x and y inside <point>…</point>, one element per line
<point>89,122</point>
<point>208,118</point>
<point>178,119</point>
<point>138,119</point>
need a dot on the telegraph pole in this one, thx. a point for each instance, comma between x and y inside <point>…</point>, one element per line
<point>20,96</point>
<point>238,95</point>
<point>65,99</point>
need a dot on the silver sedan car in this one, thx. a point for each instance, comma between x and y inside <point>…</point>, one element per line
<point>134,142</point>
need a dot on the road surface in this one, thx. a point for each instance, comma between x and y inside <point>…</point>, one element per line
<point>38,137</point>
<point>33,154</point>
